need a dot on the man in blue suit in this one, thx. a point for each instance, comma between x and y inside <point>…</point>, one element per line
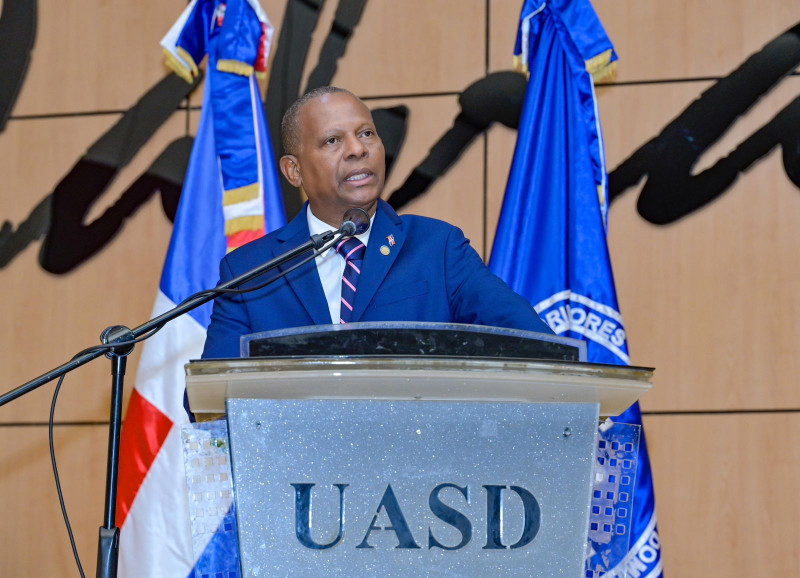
<point>413,268</point>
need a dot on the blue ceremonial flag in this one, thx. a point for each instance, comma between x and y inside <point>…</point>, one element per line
<point>555,207</point>
<point>230,196</point>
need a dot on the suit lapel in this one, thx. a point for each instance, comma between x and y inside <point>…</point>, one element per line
<point>305,280</point>
<point>377,265</point>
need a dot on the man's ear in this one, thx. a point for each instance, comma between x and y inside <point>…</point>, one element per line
<point>291,170</point>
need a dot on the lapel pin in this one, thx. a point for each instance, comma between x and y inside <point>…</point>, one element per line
<point>390,238</point>
<point>384,250</point>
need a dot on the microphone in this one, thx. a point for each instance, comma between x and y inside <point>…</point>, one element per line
<point>354,222</point>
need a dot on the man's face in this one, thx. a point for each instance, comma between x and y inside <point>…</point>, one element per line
<point>341,162</point>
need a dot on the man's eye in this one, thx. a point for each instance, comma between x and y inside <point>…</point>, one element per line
<point>331,140</point>
<point>367,133</point>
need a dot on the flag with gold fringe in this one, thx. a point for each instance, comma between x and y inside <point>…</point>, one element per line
<point>550,244</point>
<point>230,196</point>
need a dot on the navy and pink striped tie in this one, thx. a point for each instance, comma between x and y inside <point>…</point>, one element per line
<point>353,252</point>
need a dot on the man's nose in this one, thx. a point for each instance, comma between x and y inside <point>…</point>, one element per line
<point>355,148</point>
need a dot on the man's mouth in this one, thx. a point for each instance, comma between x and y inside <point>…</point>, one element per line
<point>358,175</point>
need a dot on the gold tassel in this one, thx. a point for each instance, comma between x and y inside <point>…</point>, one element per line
<point>519,66</point>
<point>235,67</point>
<point>601,67</point>
<point>188,58</point>
<point>177,66</point>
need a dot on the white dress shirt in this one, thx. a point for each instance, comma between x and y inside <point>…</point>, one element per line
<point>330,265</point>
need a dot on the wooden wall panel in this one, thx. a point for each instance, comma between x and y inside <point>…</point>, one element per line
<point>457,196</point>
<point>683,39</point>
<point>415,46</point>
<point>503,21</point>
<point>49,318</point>
<point>33,538</point>
<point>502,141</point>
<point>726,493</point>
<point>709,300</point>
<point>95,55</point>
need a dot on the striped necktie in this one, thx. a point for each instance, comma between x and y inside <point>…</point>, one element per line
<point>353,252</point>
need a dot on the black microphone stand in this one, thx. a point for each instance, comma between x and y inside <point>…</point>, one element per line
<point>120,341</point>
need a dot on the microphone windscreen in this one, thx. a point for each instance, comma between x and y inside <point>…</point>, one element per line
<point>359,218</point>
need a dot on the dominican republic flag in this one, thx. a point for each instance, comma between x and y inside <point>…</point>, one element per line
<point>550,245</point>
<point>230,195</point>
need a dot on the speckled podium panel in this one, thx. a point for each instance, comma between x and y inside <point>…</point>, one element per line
<point>366,488</point>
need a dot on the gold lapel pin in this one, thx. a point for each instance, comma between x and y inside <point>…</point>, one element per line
<point>384,250</point>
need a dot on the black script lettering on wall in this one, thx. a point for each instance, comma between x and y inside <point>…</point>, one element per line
<point>69,242</point>
<point>17,34</point>
<point>496,98</point>
<point>60,216</point>
<point>671,190</point>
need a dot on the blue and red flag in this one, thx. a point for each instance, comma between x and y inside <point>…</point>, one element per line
<point>550,245</point>
<point>231,195</point>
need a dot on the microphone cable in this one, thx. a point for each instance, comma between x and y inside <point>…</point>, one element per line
<point>55,475</point>
<point>131,342</point>
<point>128,343</point>
<point>314,255</point>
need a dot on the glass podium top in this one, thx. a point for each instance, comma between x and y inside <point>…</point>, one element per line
<point>412,339</point>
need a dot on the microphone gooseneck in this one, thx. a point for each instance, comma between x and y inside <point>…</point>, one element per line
<point>354,222</point>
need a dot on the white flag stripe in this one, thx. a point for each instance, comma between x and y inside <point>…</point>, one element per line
<point>160,378</point>
<point>253,207</point>
<point>160,511</point>
<point>159,515</point>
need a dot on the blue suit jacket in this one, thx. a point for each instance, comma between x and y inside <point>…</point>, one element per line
<point>430,274</point>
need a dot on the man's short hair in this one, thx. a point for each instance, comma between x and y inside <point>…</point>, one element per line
<point>290,125</point>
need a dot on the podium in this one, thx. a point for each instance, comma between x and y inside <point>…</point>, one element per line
<point>401,449</point>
